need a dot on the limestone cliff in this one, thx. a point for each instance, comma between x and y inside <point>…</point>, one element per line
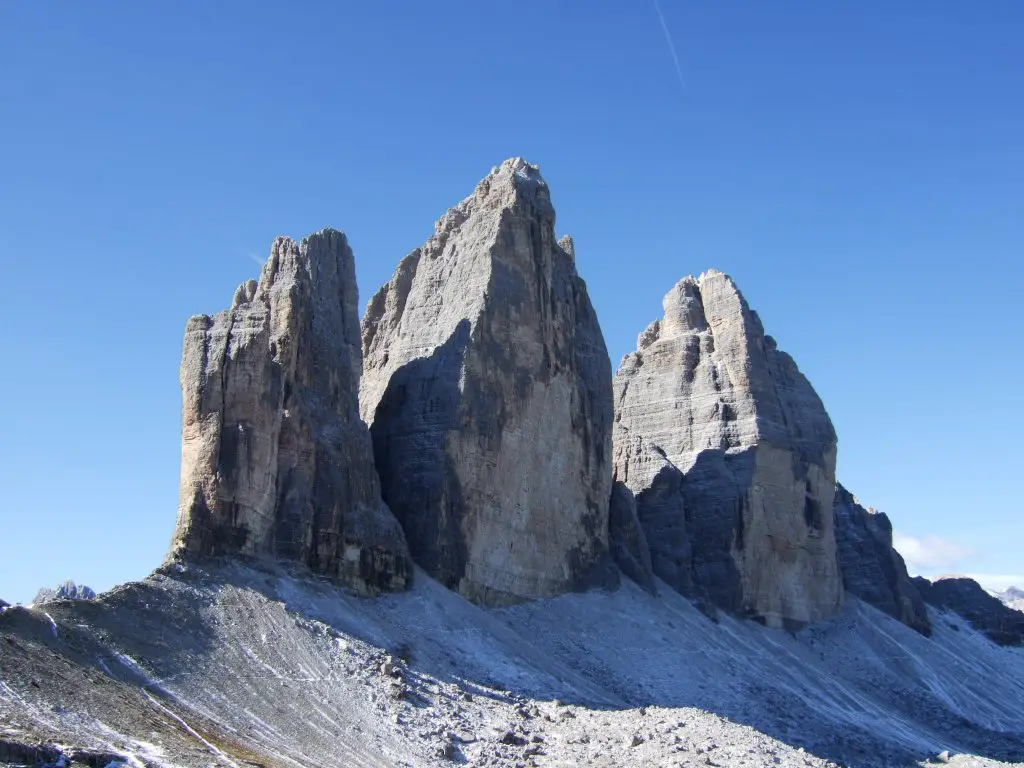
<point>872,570</point>
<point>487,387</point>
<point>731,457</point>
<point>275,459</point>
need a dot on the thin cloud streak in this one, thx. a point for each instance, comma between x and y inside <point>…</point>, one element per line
<point>671,45</point>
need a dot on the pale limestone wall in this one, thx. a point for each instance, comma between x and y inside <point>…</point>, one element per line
<point>487,388</point>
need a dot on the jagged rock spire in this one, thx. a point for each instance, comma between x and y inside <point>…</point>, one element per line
<point>731,457</point>
<point>487,387</point>
<point>275,459</point>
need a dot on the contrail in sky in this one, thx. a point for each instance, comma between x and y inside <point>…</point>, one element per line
<point>671,45</point>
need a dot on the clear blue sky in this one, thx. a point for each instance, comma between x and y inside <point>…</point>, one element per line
<point>857,167</point>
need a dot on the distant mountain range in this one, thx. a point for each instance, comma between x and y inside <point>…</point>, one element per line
<point>67,590</point>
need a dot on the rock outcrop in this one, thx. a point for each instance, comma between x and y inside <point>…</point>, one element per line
<point>731,457</point>
<point>275,459</point>
<point>487,387</point>
<point>872,570</point>
<point>67,590</point>
<point>985,613</point>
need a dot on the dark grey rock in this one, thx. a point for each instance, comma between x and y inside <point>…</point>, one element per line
<point>659,508</point>
<point>626,538</point>
<point>276,461</point>
<point>987,614</point>
<point>487,387</point>
<point>872,570</point>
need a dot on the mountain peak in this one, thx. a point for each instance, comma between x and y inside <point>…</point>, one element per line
<point>66,590</point>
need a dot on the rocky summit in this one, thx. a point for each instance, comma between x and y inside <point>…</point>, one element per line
<point>275,460</point>
<point>487,388</point>
<point>872,569</point>
<point>731,458</point>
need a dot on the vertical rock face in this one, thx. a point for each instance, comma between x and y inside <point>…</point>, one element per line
<point>872,570</point>
<point>985,613</point>
<point>487,387</point>
<point>731,457</point>
<point>275,459</point>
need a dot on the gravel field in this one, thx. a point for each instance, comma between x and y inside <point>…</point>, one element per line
<point>238,666</point>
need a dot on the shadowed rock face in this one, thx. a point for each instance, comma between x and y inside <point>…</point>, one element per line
<point>487,388</point>
<point>985,613</point>
<point>275,459</point>
<point>629,546</point>
<point>731,457</point>
<point>872,570</point>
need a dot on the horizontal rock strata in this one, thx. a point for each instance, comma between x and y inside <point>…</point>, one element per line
<point>731,458</point>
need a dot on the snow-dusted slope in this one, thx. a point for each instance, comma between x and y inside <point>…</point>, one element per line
<point>239,667</point>
<point>1013,597</point>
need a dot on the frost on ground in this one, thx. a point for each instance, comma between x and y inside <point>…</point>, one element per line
<point>240,667</point>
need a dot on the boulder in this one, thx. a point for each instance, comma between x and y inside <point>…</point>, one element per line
<point>731,458</point>
<point>966,597</point>
<point>67,590</point>
<point>872,570</point>
<point>275,460</point>
<point>487,388</point>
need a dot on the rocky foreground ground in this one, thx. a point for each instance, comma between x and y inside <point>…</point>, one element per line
<point>233,666</point>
